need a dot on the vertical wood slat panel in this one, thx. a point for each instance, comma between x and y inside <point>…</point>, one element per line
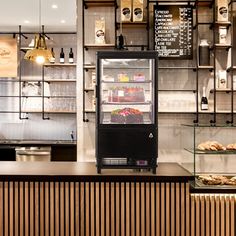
<point>115,208</point>
<point>216,212</point>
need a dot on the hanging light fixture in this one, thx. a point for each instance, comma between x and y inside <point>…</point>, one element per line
<point>39,53</point>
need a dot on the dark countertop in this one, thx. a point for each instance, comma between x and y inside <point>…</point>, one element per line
<point>16,142</point>
<point>86,171</point>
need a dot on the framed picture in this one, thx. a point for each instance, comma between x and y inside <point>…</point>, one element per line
<point>8,57</point>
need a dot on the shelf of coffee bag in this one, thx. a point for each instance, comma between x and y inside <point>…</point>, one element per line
<point>97,3</point>
<point>99,45</point>
<point>223,23</point>
<point>222,46</point>
<point>131,24</point>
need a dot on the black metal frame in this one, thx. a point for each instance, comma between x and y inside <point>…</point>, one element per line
<point>105,129</point>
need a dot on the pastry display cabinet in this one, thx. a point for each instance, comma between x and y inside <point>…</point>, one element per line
<point>211,156</point>
<point>126,110</point>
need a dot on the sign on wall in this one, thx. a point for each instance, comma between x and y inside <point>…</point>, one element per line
<point>8,57</point>
<point>173,31</point>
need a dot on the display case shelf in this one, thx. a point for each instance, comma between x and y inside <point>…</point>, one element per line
<point>209,152</point>
<point>177,67</point>
<point>126,103</point>
<point>127,82</point>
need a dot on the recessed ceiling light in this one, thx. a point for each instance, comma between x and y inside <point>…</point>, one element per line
<point>63,21</point>
<point>26,22</point>
<point>54,6</point>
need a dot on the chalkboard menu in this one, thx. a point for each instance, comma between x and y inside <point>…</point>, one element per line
<point>173,31</point>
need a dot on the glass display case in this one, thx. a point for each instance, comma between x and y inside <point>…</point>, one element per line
<point>126,109</point>
<point>211,155</point>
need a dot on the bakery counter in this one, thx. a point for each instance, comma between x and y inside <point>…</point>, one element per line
<point>86,171</point>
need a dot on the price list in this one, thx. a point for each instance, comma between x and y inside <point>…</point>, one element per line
<point>173,31</point>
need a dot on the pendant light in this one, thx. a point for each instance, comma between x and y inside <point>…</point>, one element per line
<point>39,54</point>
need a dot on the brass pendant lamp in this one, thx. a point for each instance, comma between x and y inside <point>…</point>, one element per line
<point>39,54</point>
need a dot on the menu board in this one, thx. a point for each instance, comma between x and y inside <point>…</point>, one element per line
<point>173,31</point>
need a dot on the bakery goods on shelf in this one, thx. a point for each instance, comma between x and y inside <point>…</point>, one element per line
<point>231,146</point>
<point>217,180</point>
<point>139,77</point>
<point>127,116</point>
<point>126,94</point>
<point>211,146</point>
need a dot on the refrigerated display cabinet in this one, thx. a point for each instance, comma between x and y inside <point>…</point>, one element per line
<point>126,110</point>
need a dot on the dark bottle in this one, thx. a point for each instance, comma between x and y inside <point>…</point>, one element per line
<point>62,56</point>
<point>71,56</point>
<point>204,101</point>
<point>52,59</point>
<point>204,53</point>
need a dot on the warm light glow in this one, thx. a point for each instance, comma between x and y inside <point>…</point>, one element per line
<point>63,21</point>
<point>54,6</point>
<point>39,54</point>
<point>26,22</point>
<point>40,59</point>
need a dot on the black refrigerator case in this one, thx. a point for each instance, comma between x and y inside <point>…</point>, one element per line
<point>126,110</point>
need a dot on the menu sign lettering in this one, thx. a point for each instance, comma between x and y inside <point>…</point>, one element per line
<point>173,31</point>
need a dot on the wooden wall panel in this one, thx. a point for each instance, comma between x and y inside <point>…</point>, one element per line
<point>112,208</point>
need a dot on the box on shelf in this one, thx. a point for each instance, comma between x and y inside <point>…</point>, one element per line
<point>137,10</point>
<point>222,34</point>
<point>222,10</point>
<point>125,10</point>
<point>222,79</point>
<point>100,31</point>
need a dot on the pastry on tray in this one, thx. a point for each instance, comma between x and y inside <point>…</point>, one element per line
<point>213,179</point>
<point>211,146</point>
<point>231,146</point>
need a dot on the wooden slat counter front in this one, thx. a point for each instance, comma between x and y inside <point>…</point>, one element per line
<point>71,199</point>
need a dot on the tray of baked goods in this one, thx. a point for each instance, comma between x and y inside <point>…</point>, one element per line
<point>216,180</point>
<point>214,147</point>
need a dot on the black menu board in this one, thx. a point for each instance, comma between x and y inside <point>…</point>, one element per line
<point>173,31</point>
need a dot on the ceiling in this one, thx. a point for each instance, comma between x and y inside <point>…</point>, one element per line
<point>26,14</point>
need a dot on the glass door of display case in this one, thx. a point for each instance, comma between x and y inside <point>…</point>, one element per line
<point>127,91</point>
<point>126,101</point>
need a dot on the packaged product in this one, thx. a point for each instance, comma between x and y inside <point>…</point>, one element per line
<point>125,10</point>
<point>100,31</point>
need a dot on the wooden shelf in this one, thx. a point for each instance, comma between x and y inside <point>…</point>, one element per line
<point>90,111</point>
<point>131,24</point>
<point>97,3</point>
<point>89,67</point>
<point>60,80</point>
<point>206,67</point>
<point>59,64</point>
<point>89,89</point>
<point>86,46</point>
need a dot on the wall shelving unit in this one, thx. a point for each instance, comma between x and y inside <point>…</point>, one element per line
<point>22,84</point>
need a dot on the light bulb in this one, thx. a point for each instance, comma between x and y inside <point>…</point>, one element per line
<point>40,59</point>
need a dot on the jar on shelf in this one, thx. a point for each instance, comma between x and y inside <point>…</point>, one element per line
<point>204,53</point>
